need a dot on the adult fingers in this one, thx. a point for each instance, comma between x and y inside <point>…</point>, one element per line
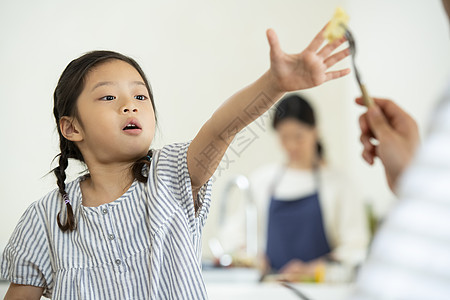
<point>378,101</point>
<point>378,123</point>
<point>390,109</point>
<point>363,125</point>
<point>368,156</point>
<point>365,141</point>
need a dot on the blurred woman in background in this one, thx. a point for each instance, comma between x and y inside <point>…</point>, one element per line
<point>309,214</point>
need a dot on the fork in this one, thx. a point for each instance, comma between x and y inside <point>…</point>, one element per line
<point>295,290</point>
<point>368,101</point>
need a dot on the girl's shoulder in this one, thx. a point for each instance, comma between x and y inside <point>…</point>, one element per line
<point>169,163</point>
<point>170,149</point>
<point>170,155</point>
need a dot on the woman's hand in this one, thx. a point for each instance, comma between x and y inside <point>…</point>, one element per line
<point>297,270</point>
<point>290,72</point>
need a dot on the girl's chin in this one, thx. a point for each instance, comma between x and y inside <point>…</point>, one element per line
<point>130,156</point>
<point>138,151</point>
<point>295,158</point>
<point>139,155</point>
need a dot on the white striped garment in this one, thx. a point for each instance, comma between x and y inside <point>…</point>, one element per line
<point>410,257</point>
<point>146,244</point>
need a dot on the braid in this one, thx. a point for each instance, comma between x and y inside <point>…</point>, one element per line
<point>60,173</point>
<point>137,168</point>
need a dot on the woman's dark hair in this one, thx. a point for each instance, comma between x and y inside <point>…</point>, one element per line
<point>67,91</point>
<point>296,107</point>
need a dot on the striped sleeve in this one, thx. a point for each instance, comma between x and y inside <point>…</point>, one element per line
<point>174,159</point>
<point>25,258</point>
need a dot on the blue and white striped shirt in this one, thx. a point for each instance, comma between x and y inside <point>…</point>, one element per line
<point>146,244</point>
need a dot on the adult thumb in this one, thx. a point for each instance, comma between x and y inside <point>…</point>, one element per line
<point>378,123</point>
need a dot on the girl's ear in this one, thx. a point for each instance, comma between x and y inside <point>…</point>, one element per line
<point>70,129</point>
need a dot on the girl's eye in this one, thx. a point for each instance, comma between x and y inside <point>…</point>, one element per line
<point>108,98</point>
<point>140,97</point>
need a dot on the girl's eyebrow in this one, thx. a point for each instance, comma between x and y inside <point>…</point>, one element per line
<point>102,83</point>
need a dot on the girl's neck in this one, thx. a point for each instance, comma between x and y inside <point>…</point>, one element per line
<point>300,165</point>
<point>105,184</point>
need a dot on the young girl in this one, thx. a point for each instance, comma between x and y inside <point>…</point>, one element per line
<point>131,228</point>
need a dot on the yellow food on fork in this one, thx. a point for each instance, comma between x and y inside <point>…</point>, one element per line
<point>335,30</point>
<point>337,25</point>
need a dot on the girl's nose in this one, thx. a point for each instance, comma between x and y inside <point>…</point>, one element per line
<point>128,107</point>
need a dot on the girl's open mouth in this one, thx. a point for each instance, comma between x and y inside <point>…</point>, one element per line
<point>132,127</point>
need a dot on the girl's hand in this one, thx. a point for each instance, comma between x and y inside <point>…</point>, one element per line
<point>307,69</point>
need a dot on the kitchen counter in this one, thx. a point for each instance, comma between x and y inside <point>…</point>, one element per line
<point>236,291</point>
<point>242,284</point>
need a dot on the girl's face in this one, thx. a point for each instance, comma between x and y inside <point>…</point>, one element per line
<point>298,140</point>
<point>115,114</point>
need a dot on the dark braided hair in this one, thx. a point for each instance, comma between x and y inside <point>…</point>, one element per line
<point>68,89</point>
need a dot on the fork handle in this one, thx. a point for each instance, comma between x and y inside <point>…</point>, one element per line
<point>368,101</point>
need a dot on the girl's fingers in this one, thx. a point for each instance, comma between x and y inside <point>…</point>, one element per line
<point>332,60</point>
<point>329,48</point>
<point>275,49</point>
<point>336,74</point>
<point>318,40</point>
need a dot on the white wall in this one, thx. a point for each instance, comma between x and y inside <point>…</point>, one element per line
<point>196,54</point>
<point>403,52</point>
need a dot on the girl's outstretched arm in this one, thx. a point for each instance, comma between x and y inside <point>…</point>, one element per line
<point>288,72</point>
<point>23,292</point>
